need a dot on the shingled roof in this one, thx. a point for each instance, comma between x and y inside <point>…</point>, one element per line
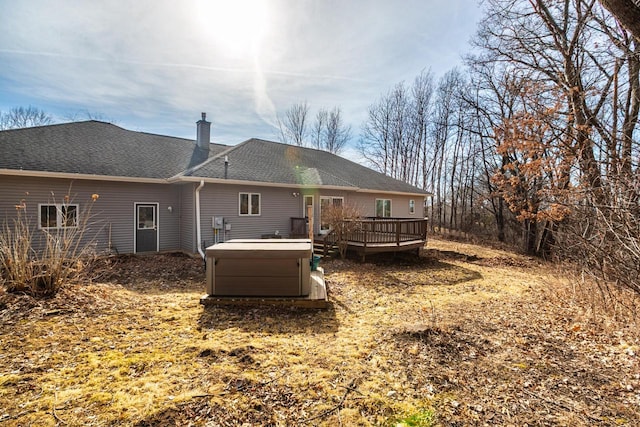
<point>103,149</point>
<point>266,161</point>
<point>98,148</point>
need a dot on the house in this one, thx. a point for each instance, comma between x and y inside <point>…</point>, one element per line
<point>161,193</point>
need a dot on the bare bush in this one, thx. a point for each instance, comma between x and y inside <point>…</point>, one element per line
<point>604,238</point>
<point>40,262</point>
<point>342,221</point>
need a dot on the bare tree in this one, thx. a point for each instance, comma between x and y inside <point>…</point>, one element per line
<point>329,132</point>
<point>318,130</point>
<point>89,115</point>
<point>293,126</point>
<point>337,134</point>
<point>493,97</point>
<point>393,139</point>
<point>422,94</point>
<point>375,139</point>
<point>21,117</point>
<point>571,141</point>
<point>447,139</point>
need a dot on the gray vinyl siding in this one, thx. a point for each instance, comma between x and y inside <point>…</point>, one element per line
<point>366,203</point>
<point>112,213</point>
<point>188,218</point>
<point>278,205</point>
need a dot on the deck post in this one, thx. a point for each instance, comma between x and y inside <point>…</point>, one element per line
<point>364,237</point>
<point>364,244</point>
<point>310,216</point>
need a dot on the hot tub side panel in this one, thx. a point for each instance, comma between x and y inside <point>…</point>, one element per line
<point>259,268</point>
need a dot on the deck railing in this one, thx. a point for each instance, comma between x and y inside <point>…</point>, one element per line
<point>371,230</point>
<point>299,228</point>
<point>375,230</point>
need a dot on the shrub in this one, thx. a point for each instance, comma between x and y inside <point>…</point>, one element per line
<point>341,221</point>
<point>603,236</point>
<point>40,262</point>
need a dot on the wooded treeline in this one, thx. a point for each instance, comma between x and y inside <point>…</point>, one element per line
<point>534,141</point>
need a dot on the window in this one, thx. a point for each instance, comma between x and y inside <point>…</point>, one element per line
<point>412,206</point>
<point>308,204</point>
<point>326,202</point>
<point>146,217</point>
<point>249,203</point>
<point>383,208</point>
<point>58,216</point>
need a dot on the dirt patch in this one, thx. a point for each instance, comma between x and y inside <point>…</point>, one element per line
<point>135,272</point>
<point>493,260</point>
<point>446,346</point>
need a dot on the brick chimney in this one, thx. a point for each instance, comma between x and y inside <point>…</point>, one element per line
<point>204,132</point>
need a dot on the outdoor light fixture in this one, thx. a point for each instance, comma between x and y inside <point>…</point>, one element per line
<point>170,208</point>
<point>294,194</point>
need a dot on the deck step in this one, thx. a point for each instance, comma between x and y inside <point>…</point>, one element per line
<point>319,249</point>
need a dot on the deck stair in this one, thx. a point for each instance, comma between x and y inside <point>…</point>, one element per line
<point>324,249</point>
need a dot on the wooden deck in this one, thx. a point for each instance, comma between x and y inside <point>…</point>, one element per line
<point>375,235</point>
<point>317,298</point>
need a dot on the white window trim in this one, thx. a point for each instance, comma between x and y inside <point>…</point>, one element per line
<point>412,206</point>
<point>59,207</point>
<point>332,198</point>
<point>390,208</point>
<point>249,195</point>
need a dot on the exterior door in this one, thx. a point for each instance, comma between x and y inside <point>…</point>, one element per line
<point>146,227</point>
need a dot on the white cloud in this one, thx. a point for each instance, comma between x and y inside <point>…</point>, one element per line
<point>156,65</point>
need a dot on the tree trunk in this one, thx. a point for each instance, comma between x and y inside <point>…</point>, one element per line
<point>530,231</point>
<point>627,12</point>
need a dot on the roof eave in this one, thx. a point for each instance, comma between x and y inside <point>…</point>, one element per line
<point>177,179</point>
<point>185,179</point>
<point>402,193</point>
<point>67,175</point>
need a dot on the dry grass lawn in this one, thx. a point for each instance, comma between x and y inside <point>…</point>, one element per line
<point>464,336</point>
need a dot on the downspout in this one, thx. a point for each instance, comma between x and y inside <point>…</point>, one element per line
<point>198,232</point>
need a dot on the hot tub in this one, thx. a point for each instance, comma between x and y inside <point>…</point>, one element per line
<point>260,267</point>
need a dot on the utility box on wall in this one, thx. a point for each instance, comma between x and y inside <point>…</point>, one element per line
<point>218,222</point>
<point>257,267</point>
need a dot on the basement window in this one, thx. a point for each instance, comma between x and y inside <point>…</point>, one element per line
<point>249,204</point>
<point>57,216</point>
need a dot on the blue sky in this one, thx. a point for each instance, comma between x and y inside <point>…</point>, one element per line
<point>154,66</point>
